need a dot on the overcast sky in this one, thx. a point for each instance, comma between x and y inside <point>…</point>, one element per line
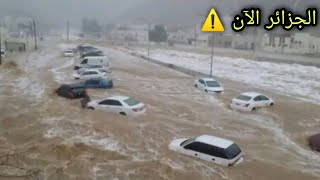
<point>57,12</point>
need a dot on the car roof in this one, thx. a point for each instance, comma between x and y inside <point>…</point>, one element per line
<point>120,98</point>
<point>214,141</point>
<point>251,94</point>
<point>208,79</point>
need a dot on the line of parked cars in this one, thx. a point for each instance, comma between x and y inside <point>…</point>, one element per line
<point>93,70</point>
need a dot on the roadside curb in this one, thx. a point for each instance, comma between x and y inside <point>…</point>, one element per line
<point>169,65</point>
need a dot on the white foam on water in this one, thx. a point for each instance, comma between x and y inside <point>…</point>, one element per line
<point>60,75</point>
<point>29,88</point>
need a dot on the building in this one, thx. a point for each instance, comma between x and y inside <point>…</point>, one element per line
<point>180,37</point>
<point>298,43</point>
<point>137,33</point>
<point>15,46</point>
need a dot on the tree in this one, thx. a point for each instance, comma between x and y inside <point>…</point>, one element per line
<point>158,34</point>
<point>91,26</point>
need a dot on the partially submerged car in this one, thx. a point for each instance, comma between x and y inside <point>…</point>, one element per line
<point>71,91</point>
<point>89,74</point>
<point>3,53</point>
<point>314,142</point>
<point>95,83</point>
<point>68,53</point>
<point>209,148</point>
<point>209,85</point>
<point>97,67</point>
<point>118,104</point>
<point>250,101</point>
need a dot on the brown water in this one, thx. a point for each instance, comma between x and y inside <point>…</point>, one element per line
<point>64,141</point>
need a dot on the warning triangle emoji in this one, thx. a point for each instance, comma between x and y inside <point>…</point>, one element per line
<point>212,23</point>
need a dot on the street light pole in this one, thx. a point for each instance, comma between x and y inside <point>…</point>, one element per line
<point>212,45</point>
<point>0,47</point>
<point>148,41</point>
<point>68,30</point>
<point>35,35</point>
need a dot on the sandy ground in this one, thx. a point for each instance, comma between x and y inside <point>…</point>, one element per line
<point>66,142</point>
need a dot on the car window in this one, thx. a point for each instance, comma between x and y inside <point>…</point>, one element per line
<point>195,146</point>
<point>187,141</point>
<point>264,98</point>
<point>131,102</point>
<point>90,73</point>
<point>213,84</point>
<point>201,81</point>
<point>85,61</point>
<point>233,151</point>
<point>258,98</point>
<point>244,98</point>
<point>110,102</point>
<point>77,89</point>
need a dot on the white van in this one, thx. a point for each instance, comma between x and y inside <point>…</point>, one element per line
<point>209,148</point>
<point>93,60</point>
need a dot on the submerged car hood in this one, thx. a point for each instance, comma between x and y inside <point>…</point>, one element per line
<point>175,144</point>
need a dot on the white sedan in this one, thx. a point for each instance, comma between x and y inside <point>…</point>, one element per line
<point>119,104</point>
<point>209,148</point>
<point>68,53</point>
<point>209,85</point>
<point>250,101</point>
<point>90,74</point>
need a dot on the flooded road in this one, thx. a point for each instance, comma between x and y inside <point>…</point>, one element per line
<point>67,142</point>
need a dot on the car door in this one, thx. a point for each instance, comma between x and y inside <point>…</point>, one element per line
<point>192,149</point>
<point>213,154</point>
<point>105,105</point>
<point>258,101</point>
<point>265,101</point>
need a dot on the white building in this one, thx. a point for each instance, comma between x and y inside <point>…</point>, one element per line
<point>299,43</point>
<point>180,37</point>
<point>137,33</point>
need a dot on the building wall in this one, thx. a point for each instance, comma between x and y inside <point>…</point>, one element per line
<point>299,43</point>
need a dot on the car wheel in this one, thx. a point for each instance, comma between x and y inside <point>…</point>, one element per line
<point>253,109</point>
<point>196,85</point>
<point>76,78</point>
<point>206,91</point>
<point>271,104</point>
<point>122,113</point>
<point>91,108</point>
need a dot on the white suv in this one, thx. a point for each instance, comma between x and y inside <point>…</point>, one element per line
<point>209,148</point>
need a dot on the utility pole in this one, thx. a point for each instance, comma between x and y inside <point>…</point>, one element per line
<point>148,41</point>
<point>0,47</point>
<point>68,30</point>
<point>212,45</point>
<point>35,35</point>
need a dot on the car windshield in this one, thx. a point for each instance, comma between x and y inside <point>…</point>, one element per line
<point>188,141</point>
<point>213,84</point>
<point>233,151</point>
<point>244,98</point>
<point>77,89</point>
<point>95,66</point>
<point>131,102</point>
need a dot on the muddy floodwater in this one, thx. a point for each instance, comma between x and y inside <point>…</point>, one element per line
<point>65,142</point>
